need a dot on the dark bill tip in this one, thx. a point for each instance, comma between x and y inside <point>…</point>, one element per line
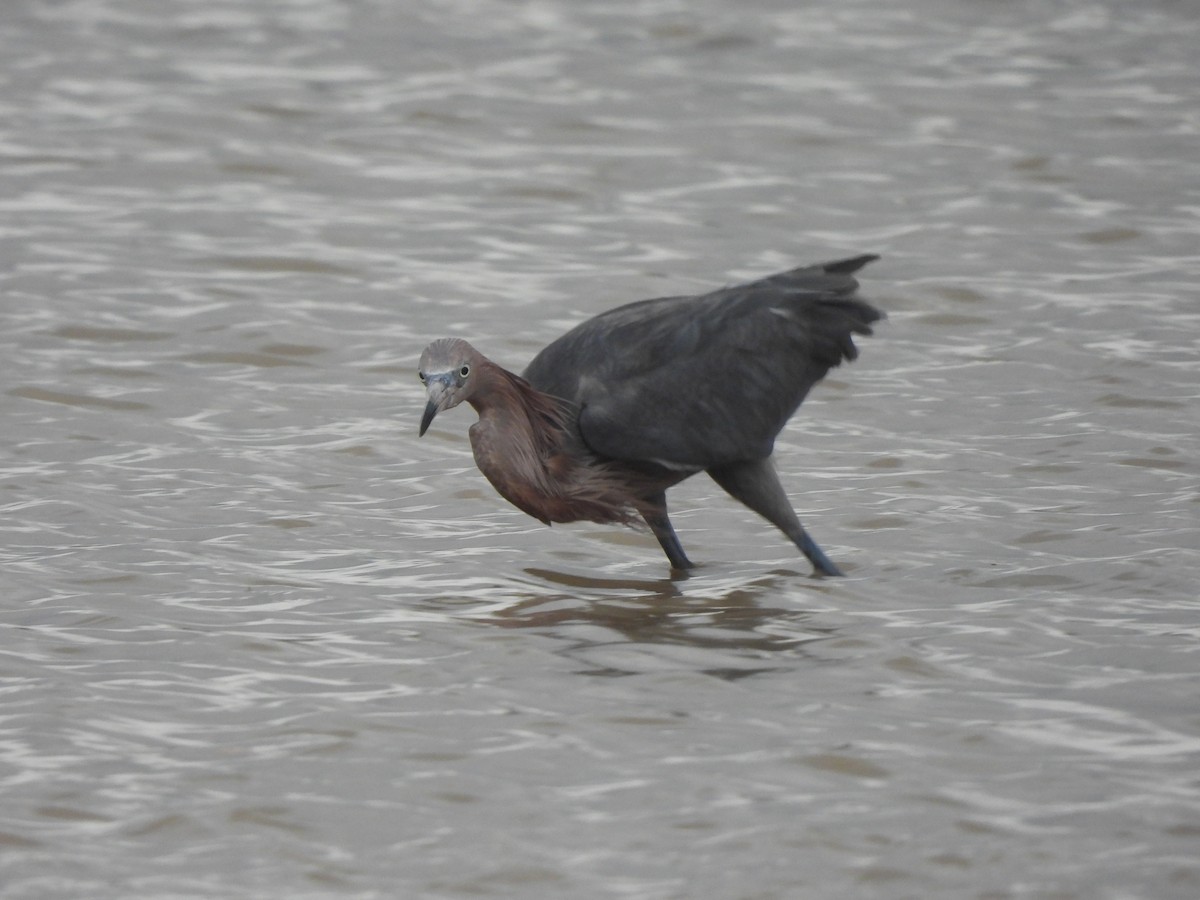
<point>431,410</point>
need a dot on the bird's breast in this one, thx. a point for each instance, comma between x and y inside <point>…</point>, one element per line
<point>555,483</point>
<point>511,463</point>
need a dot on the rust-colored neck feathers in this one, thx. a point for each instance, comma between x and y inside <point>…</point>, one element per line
<point>527,445</point>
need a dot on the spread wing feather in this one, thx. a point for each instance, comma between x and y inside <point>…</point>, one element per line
<point>697,382</point>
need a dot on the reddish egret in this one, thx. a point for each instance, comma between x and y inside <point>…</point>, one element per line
<point>639,398</point>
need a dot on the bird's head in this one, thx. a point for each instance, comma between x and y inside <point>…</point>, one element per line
<point>448,370</point>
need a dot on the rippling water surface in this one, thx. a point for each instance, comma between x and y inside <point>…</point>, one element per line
<point>260,641</point>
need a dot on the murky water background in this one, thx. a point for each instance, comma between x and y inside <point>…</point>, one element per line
<point>260,641</point>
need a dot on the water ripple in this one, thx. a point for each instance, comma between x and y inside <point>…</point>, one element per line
<point>260,639</point>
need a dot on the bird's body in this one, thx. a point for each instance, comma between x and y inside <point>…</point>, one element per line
<point>636,399</point>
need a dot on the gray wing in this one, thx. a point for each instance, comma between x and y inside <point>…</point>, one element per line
<point>696,382</point>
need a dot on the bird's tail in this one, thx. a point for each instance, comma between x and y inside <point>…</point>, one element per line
<point>846,266</point>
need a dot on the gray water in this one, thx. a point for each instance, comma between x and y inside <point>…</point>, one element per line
<point>261,641</point>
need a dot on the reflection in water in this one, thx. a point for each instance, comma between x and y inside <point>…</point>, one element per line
<point>665,587</point>
<point>748,635</point>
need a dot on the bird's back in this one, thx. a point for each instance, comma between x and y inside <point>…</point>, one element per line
<point>697,382</point>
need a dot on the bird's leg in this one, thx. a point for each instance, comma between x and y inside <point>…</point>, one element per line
<point>756,484</point>
<point>654,511</point>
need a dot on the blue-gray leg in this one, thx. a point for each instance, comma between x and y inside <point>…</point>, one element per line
<point>756,484</point>
<point>656,517</point>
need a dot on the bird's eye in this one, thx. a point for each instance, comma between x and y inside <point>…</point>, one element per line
<point>421,375</point>
<point>464,371</point>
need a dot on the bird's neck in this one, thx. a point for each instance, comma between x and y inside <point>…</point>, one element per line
<point>527,445</point>
<point>513,405</point>
<point>518,431</point>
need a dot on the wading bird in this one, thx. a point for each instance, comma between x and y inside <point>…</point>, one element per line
<point>637,399</point>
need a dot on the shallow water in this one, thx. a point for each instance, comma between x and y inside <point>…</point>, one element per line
<point>261,641</point>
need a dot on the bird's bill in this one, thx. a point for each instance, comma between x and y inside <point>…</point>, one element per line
<point>431,410</point>
<point>440,397</point>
